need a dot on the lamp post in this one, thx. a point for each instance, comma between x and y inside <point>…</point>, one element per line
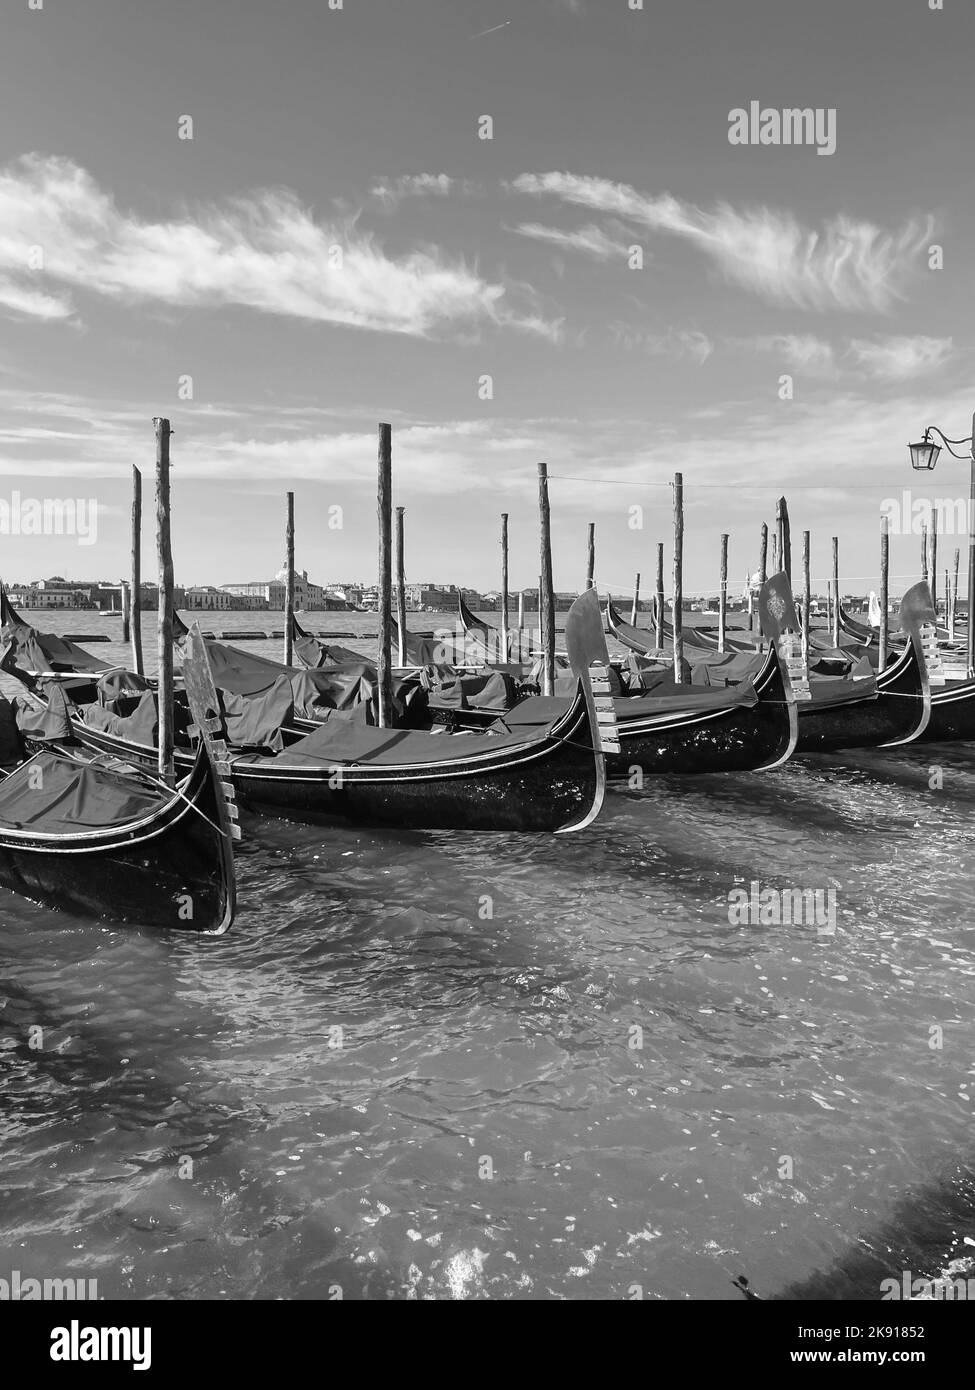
<point>924,456</point>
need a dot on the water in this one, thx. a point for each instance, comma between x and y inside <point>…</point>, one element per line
<point>485,1128</point>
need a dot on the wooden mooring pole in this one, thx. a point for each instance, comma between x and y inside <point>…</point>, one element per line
<point>884,589</point>
<point>400,589</point>
<point>289,580</point>
<point>836,591</point>
<point>385,517</point>
<point>164,557</point>
<point>723,595</point>
<point>659,604</point>
<point>591,562</point>
<point>136,621</point>
<point>505,654</point>
<point>546,597</point>
<point>806,600</point>
<point>678,577</point>
<point>634,611</point>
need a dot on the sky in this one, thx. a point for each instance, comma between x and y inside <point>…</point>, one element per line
<point>336,246</point>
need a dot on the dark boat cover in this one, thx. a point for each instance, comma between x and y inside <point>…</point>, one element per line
<point>492,691</point>
<point>43,651</point>
<point>339,741</point>
<point>53,794</point>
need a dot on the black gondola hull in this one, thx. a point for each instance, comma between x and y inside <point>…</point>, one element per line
<point>174,870</point>
<point>898,713</point>
<point>952,714</point>
<point>743,738</point>
<point>552,783</point>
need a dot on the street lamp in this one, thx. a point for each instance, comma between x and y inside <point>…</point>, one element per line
<point>924,456</point>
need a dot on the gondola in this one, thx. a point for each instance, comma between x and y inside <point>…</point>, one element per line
<point>748,727</point>
<point>544,777</point>
<point>106,840</point>
<point>886,710</point>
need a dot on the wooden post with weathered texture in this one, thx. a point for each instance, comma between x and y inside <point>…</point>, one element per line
<point>634,611</point>
<point>806,600</point>
<point>400,589</point>
<point>164,557</point>
<point>659,604</point>
<point>505,654</point>
<point>784,530</point>
<point>954,594</point>
<point>591,562</point>
<point>924,550</point>
<point>289,581</point>
<point>546,597</point>
<point>678,577</point>
<point>126,611</point>
<point>836,591</point>
<point>136,621</point>
<point>934,559</point>
<point>762,572</point>
<point>723,595</point>
<point>884,589</point>
<point>385,514</point>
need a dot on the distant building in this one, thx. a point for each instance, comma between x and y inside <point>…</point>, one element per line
<point>205,596</point>
<point>308,596</point>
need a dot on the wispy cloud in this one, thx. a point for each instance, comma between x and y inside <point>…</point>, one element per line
<point>845,264</point>
<point>675,342</point>
<point>264,251</point>
<point>391,192</point>
<point>900,357</point>
<point>590,240</point>
<point>799,350</point>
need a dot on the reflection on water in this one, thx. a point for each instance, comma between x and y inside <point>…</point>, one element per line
<point>590,1094</point>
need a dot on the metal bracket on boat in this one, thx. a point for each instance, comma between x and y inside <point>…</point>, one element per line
<point>607,726</point>
<point>932,654</point>
<point>790,652</point>
<point>205,706</point>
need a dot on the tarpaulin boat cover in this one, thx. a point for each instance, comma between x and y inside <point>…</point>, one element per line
<point>11,743</point>
<point>53,794</point>
<point>48,724</point>
<point>42,651</point>
<point>316,653</point>
<point>141,725</point>
<point>314,693</point>
<point>676,698</point>
<point>116,689</point>
<point>494,691</point>
<point>341,742</point>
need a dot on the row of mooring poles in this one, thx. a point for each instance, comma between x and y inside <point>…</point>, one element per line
<point>781,558</point>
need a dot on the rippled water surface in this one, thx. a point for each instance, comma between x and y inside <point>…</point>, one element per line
<point>487,1127</point>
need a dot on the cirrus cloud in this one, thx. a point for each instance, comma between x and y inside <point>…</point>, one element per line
<point>845,264</point>
<point>263,251</point>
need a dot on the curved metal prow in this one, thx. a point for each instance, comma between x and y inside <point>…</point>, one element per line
<point>204,702</point>
<point>585,645</point>
<point>919,623</point>
<point>781,629</point>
